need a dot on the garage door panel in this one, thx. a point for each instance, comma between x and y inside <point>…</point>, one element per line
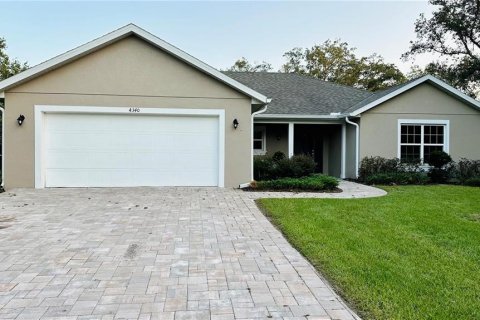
<point>100,150</point>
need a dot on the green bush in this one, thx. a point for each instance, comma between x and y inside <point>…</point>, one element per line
<point>398,178</point>
<point>295,167</point>
<point>315,182</point>
<point>378,170</point>
<point>474,181</point>
<point>278,166</point>
<point>466,169</point>
<point>374,165</point>
<point>441,171</point>
<point>302,165</point>
<point>439,159</point>
<point>279,155</point>
<point>263,167</point>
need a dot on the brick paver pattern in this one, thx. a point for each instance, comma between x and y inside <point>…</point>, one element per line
<point>152,253</point>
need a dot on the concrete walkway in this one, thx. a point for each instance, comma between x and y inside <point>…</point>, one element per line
<point>153,253</point>
<point>349,189</point>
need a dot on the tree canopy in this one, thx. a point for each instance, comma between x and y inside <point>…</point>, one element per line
<point>334,61</point>
<point>8,66</point>
<point>243,64</point>
<point>452,32</point>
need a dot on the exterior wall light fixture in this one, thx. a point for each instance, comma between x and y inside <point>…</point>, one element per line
<point>235,123</point>
<point>20,119</point>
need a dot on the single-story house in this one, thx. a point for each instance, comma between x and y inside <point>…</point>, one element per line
<point>129,109</point>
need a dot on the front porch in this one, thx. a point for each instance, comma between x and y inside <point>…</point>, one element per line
<point>325,141</point>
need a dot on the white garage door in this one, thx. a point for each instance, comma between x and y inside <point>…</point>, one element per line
<point>118,150</point>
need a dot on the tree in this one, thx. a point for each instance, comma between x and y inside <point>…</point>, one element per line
<point>453,32</point>
<point>335,61</point>
<point>376,74</point>
<point>9,67</point>
<point>243,64</point>
<point>295,61</point>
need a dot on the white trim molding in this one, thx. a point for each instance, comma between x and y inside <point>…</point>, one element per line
<point>428,78</point>
<point>344,151</point>
<point>263,151</point>
<point>442,122</point>
<point>117,35</point>
<point>301,116</point>
<point>41,110</point>
<point>291,132</point>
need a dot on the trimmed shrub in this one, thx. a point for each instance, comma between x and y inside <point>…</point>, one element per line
<point>439,159</point>
<point>474,182</point>
<point>400,178</point>
<point>302,165</point>
<point>440,172</point>
<point>315,182</point>
<point>263,167</point>
<point>295,167</point>
<point>378,170</point>
<point>466,169</point>
<point>278,166</point>
<point>279,155</point>
<point>370,166</point>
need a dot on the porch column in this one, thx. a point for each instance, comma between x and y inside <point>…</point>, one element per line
<point>290,139</point>
<point>344,151</point>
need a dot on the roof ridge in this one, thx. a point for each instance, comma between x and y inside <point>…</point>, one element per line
<point>301,76</point>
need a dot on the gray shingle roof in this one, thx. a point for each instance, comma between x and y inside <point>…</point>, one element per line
<point>377,95</point>
<point>300,95</point>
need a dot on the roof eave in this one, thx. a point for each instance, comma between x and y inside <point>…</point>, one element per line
<point>301,116</point>
<point>119,34</point>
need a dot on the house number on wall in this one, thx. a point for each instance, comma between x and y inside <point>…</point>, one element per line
<point>134,110</point>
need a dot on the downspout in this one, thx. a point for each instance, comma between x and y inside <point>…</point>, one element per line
<point>357,143</point>
<point>245,185</point>
<point>251,136</point>
<point>2,110</point>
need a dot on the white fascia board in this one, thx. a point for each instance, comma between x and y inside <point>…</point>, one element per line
<point>293,116</point>
<point>436,82</point>
<point>121,33</point>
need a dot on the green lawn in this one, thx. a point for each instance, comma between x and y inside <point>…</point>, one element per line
<point>413,254</point>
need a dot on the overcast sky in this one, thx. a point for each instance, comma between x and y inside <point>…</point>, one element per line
<point>216,32</point>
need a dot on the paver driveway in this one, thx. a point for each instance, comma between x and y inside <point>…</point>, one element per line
<point>151,253</point>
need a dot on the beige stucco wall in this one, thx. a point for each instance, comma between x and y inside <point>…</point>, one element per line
<point>276,138</point>
<point>127,73</point>
<point>379,126</point>
<point>335,152</point>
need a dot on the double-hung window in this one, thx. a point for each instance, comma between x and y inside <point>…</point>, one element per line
<point>419,138</point>
<point>259,137</point>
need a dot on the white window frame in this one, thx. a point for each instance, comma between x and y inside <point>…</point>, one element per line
<point>262,151</point>
<point>423,122</point>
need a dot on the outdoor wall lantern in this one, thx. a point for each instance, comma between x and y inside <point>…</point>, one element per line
<point>20,119</point>
<point>235,123</point>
